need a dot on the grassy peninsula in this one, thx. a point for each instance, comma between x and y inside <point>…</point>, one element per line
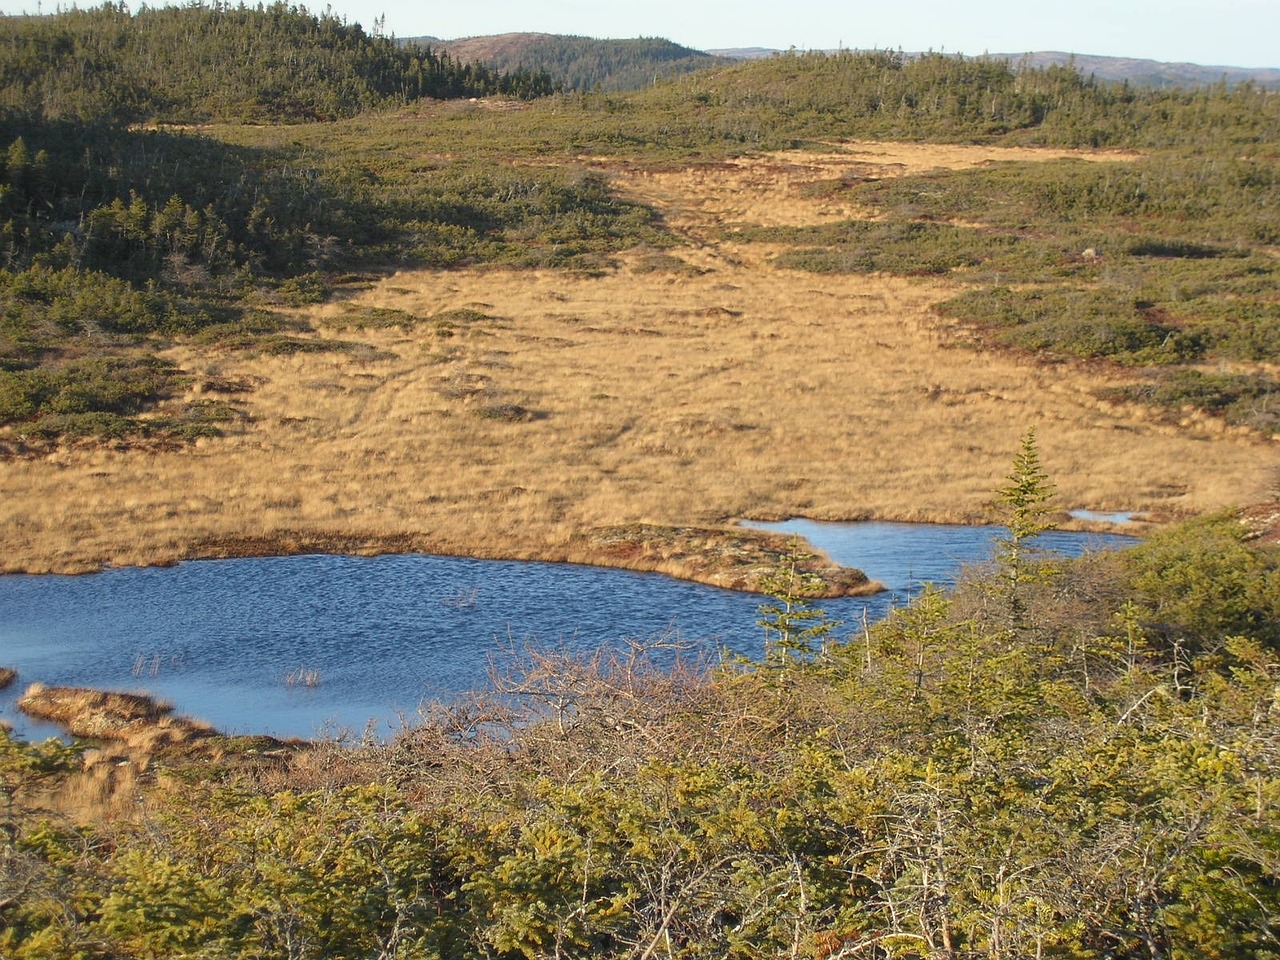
<point>356,296</point>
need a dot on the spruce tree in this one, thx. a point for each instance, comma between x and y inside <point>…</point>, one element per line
<point>1025,500</point>
<point>794,629</point>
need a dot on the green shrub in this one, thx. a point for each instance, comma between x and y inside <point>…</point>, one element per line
<point>1202,582</point>
<point>1250,400</point>
<point>99,424</point>
<point>1078,323</point>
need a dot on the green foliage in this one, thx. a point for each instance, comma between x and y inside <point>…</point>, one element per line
<point>23,763</point>
<point>112,236</point>
<point>928,789</point>
<point>1025,503</point>
<point>1080,323</point>
<point>1201,582</point>
<point>909,249</point>
<point>349,874</point>
<point>84,397</point>
<point>887,95</point>
<point>1156,262</point>
<point>794,629</point>
<point>1190,199</point>
<point>586,64</point>
<point>35,858</point>
<point>197,226</point>
<point>1249,400</point>
<point>40,308</point>
<point>198,63</point>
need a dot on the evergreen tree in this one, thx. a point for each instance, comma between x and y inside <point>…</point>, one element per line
<point>793,628</point>
<point>1026,501</point>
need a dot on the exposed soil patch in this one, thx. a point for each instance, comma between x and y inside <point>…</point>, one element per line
<point>1262,521</point>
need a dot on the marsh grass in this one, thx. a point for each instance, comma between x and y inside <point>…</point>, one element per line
<point>678,398</point>
<point>1151,262</point>
<point>109,715</point>
<point>302,677</point>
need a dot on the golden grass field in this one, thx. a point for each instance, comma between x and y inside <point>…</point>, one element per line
<point>693,388</point>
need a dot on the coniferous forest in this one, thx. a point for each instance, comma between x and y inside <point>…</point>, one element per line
<point>1054,759</point>
<point>583,63</point>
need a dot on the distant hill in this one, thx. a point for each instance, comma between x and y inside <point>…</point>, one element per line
<point>1151,73</point>
<point>578,63</point>
<point>1142,73</point>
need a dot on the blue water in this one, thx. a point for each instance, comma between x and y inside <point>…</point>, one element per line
<point>387,634</point>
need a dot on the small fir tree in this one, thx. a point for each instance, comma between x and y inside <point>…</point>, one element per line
<point>1025,500</point>
<point>793,628</point>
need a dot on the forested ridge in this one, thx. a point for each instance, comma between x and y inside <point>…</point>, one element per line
<point>584,63</point>
<point>202,63</point>
<point>115,236</point>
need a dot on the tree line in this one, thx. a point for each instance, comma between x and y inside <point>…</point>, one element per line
<point>201,63</point>
<point>208,232</point>
<point>889,95</point>
<point>585,64</point>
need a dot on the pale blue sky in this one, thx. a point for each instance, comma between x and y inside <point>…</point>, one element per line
<point>1213,32</point>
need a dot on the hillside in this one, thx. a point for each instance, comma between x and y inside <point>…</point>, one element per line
<point>197,64</point>
<point>1138,72</point>
<point>579,63</point>
<point>1152,73</point>
<point>190,311</point>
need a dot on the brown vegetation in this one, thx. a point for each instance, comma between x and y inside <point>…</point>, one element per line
<point>683,389</point>
<point>106,715</point>
<point>141,752</point>
<point>7,676</point>
<point>140,744</point>
<point>736,560</point>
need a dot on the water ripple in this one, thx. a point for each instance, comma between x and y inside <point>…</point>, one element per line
<point>221,638</point>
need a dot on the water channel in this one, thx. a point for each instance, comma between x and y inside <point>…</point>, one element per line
<point>382,635</point>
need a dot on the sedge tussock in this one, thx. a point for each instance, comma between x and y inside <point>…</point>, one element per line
<point>694,396</point>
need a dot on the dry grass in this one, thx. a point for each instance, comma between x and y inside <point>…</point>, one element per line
<point>679,393</point>
<point>136,719</point>
<point>139,744</point>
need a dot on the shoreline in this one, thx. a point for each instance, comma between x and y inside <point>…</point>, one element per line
<point>727,557</point>
<point>730,557</point>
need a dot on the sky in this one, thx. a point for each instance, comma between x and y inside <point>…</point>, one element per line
<point>1238,33</point>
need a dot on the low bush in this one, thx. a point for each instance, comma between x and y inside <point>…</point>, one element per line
<point>1248,400</point>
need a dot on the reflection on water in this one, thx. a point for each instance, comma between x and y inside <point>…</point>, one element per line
<point>1120,517</point>
<point>300,646</point>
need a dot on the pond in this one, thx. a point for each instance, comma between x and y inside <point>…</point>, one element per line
<point>379,636</point>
